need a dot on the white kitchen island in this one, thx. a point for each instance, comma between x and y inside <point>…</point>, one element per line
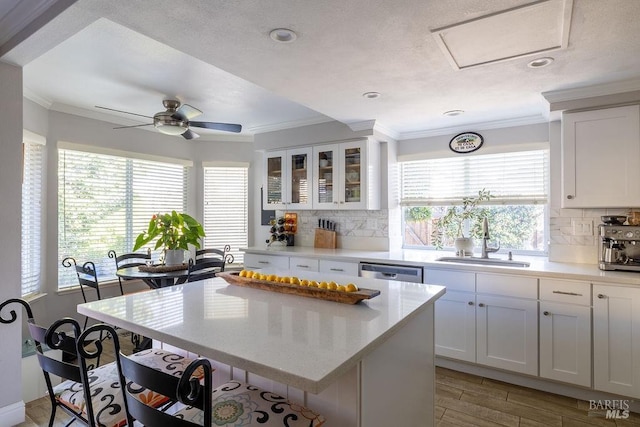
<point>365,365</point>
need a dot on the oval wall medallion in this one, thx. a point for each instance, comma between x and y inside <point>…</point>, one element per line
<point>466,142</point>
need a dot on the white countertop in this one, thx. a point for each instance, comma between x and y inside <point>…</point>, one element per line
<point>300,341</point>
<point>540,266</point>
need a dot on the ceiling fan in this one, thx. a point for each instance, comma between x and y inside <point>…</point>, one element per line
<point>176,120</point>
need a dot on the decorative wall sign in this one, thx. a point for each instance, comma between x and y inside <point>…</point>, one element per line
<point>466,142</point>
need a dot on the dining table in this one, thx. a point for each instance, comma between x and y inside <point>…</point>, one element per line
<point>369,364</point>
<point>155,279</point>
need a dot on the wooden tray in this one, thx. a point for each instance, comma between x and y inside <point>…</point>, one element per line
<point>162,268</point>
<point>305,291</point>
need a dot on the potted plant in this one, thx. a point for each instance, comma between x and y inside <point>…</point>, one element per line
<point>452,221</point>
<point>175,232</point>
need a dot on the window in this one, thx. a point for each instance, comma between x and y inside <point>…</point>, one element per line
<point>225,208</point>
<point>32,217</point>
<point>105,201</point>
<point>518,182</point>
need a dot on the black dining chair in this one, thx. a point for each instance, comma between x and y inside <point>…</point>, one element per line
<point>206,254</point>
<point>133,259</point>
<point>230,404</point>
<point>205,269</point>
<point>87,278</point>
<point>76,394</point>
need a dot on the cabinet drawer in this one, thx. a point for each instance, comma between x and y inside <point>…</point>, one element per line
<point>453,280</point>
<point>503,284</point>
<point>305,264</point>
<point>568,291</point>
<point>338,267</point>
<point>258,261</point>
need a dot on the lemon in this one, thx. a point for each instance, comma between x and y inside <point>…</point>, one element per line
<point>313,284</point>
<point>284,279</point>
<point>352,288</point>
<point>304,282</point>
<point>243,273</point>
<point>332,286</point>
<point>255,275</point>
<point>263,277</point>
<point>322,285</point>
<point>272,278</point>
<point>341,288</point>
<point>294,281</point>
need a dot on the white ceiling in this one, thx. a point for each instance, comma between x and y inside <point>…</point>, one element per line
<point>217,56</point>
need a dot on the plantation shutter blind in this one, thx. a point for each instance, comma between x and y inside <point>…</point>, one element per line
<point>512,178</point>
<point>31,249</point>
<point>105,201</point>
<point>225,208</point>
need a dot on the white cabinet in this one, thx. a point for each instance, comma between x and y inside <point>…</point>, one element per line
<point>596,144</point>
<point>616,339</point>
<point>260,261</point>
<point>288,179</point>
<point>303,263</point>
<point>347,175</point>
<point>565,331</point>
<point>338,267</point>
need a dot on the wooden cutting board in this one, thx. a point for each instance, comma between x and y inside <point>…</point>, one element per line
<point>324,239</point>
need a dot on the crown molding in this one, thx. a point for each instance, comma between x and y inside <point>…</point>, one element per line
<point>496,124</point>
<point>32,96</point>
<point>289,125</point>
<point>573,94</point>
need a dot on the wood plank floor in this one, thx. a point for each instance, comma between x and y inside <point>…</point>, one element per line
<point>461,400</point>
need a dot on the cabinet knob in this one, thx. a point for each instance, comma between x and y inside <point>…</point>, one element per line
<point>546,313</point>
<point>602,296</point>
<point>470,303</point>
<point>481,305</point>
<point>569,197</point>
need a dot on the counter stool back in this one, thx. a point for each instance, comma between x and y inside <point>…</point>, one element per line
<point>134,259</point>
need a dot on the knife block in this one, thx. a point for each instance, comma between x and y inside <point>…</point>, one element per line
<point>324,239</point>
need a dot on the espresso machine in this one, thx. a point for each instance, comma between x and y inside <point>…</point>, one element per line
<point>619,247</point>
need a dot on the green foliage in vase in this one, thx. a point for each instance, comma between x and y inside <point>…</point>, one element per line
<point>173,230</point>
<point>452,221</point>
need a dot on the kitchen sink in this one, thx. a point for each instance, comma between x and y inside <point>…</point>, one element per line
<point>484,261</point>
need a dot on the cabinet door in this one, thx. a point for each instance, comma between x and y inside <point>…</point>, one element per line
<point>259,261</point>
<point>616,340</point>
<point>298,187</point>
<point>601,158</point>
<point>455,326</point>
<point>326,193</point>
<point>353,175</point>
<point>507,333</point>
<point>565,342</point>
<point>275,184</point>
<point>338,267</point>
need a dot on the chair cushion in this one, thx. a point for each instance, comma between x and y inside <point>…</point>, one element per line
<point>107,400</point>
<point>238,404</point>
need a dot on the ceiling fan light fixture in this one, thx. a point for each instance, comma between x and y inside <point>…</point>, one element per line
<point>169,125</point>
<point>283,35</point>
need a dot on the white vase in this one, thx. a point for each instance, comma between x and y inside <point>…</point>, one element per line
<point>464,244</point>
<point>173,257</point>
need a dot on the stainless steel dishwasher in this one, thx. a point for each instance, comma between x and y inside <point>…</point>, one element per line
<point>401,273</point>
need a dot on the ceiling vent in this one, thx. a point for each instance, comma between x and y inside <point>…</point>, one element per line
<point>532,29</point>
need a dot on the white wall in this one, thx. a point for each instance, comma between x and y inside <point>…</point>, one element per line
<point>11,406</point>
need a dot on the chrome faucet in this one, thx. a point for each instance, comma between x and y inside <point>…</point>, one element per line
<point>486,250</point>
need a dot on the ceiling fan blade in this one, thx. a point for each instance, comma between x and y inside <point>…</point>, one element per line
<point>188,134</point>
<point>126,112</point>
<point>228,127</point>
<point>188,112</point>
<point>134,126</point>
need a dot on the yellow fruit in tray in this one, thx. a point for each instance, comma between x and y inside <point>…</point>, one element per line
<point>313,284</point>
<point>272,278</point>
<point>294,281</point>
<point>255,275</point>
<point>243,273</point>
<point>332,286</point>
<point>284,279</point>
<point>323,285</point>
<point>263,277</point>
<point>304,282</point>
<point>341,288</point>
<point>351,288</point>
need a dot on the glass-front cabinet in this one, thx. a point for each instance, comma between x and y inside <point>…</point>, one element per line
<point>341,175</point>
<point>288,179</point>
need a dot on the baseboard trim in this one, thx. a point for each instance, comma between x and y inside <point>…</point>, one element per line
<point>13,414</point>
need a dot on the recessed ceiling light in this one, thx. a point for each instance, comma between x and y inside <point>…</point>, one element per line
<point>453,113</point>
<point>283,35</point>
<point>540,62</point>
<point>371,95</point>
